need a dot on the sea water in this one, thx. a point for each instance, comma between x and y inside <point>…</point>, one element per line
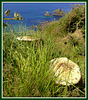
<point>33,13</point>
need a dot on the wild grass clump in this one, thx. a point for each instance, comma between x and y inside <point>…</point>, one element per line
<point>26,68</point>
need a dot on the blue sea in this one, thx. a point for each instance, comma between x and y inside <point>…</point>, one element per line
<point>33,13</point>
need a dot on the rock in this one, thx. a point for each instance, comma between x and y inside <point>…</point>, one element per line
<point>47,14</point>
<point>7,12</point>
<point>58,12</point>
<point>65,71</point>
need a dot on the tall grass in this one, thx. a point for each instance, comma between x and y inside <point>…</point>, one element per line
<point>26,68</point>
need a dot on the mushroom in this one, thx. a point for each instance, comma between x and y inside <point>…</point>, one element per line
<point>65,71</point>
<point>26,38</point>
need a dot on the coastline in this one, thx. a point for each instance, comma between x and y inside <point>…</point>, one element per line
<point>40,25</point>
<point>45,24</point>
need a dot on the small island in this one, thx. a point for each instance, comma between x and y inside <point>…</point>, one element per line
<point>58,12</point>
<point>47,14</point>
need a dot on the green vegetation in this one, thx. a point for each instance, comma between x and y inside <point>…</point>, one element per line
<point>26,66</point>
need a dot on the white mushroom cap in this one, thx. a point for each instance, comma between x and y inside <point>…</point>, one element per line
<point>65,71</point>
<point>26,38</point>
